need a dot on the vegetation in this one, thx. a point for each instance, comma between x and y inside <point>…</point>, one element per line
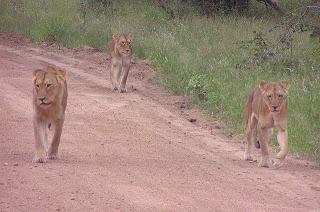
<point>217,59</point>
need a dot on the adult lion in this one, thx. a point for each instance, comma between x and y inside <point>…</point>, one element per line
<point>266,109</point>
<point>121,54</point>
<point>50,95</point>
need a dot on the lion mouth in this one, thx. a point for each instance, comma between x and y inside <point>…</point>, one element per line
<point>44,104</point>
<point>126,53</point>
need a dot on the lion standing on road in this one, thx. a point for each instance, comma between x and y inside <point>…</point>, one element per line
<point>266,109</point>
<point>50,95</point>
<point>121,54</point>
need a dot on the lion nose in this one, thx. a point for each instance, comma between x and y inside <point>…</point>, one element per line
<point>128,50</point>
<point>275,107</point>
<point>41,99</point>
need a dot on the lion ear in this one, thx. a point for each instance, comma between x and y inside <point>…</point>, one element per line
<point>61,74</point>
<point>115,37</point>
<point>52,67</point>
<point>285,85</point>
<point>35,73</point>
<point>129,36</point>
<point>263,85</point>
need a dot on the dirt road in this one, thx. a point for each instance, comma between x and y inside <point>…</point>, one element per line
<point>129,152</point>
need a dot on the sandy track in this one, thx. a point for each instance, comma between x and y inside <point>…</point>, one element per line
<point>129,152</point>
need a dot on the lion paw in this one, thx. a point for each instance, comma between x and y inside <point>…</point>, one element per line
<point>123,90</point>
<point>277,164</point>
<point>37,159</point>
<point>53,156</point>
<point>267,163</point>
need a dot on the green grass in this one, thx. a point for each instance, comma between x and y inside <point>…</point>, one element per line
<point>196,55</point>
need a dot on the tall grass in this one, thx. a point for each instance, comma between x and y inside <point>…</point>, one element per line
<point>204,57</point>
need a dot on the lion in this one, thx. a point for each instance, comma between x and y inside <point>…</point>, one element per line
<point>265,110</point>
<point>50,95</point>
<point>121,55</point>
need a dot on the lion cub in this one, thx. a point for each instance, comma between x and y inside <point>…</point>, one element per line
<point>50,95</point>
<point>266,109</point>
<point>121,54</point>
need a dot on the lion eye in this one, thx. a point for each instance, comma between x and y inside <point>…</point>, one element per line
<point>123,43</point>
<point>269,96</point>
<point>48,85</point>
<point>280,95</point>
<point>37,85</point>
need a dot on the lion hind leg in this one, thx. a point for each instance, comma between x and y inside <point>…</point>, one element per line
<point>264,137</point>
<point>53,149</point>
<point>257,143</point>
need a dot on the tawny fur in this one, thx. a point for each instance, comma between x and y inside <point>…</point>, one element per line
<point>265,110</point>
<point>50,95</point>
<point>121,54</point>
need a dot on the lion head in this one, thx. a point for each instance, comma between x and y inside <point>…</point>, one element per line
<point>48,86</point>
<point>274,94</point>
<point>122,44</point>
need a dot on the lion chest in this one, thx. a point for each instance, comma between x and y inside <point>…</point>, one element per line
<point>49,114</point>
<point>266,121</point>
<point>271,121</point>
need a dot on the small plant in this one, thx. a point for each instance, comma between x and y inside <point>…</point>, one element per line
<point>258,47</point>
<point>197,86</point>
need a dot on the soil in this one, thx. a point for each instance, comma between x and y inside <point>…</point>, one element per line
<point>143,150</point>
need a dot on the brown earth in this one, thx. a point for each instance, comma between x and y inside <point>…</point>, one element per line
<point>137,151</point>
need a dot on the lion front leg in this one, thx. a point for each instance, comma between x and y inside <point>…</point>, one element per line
<point>264,137</point>
<point>251,126</point>
<point>40,136</point>
<point>282,138</point>
<point>54,146</point>
<point>126,67</point>
<point>115,74</point>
